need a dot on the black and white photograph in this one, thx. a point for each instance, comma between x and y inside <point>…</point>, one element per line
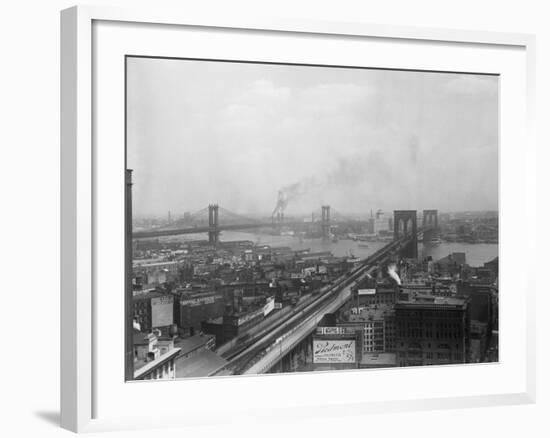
<point>277,219</point>
<point>290,218</point>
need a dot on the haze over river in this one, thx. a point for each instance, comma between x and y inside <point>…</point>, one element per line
<point>476,253</point>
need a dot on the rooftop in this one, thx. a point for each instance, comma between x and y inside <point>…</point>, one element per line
<point>151,264</point>
<point>192,343</point>
<point>149,366</point>
<point>199,365</point>
<point>149,295</point>
<point>427,301</point>
<point>142,338</point>
<point>456,257</point>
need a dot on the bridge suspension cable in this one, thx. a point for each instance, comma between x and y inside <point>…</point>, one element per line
<point>229,214</point>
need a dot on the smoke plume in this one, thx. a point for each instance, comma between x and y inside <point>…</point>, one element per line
<point>358,170</point>
<point>295,191</point>
<point>392,271</point>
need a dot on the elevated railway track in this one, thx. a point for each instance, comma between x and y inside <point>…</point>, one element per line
<point>258,353</point>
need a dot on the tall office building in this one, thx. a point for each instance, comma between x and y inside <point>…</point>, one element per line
<point>432,331</point>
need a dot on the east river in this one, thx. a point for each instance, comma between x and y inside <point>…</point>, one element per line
<point>476,253</point>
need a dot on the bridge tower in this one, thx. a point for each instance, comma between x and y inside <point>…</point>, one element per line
<point>213,223</point>
<point>404,225</point>
<point>429,224</point>
<point>325,222</point>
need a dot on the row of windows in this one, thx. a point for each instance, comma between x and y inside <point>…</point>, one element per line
<point>429,314</point>
<point>418,355</point>
<point>433,326</point>
<point>418,334</point>
<point>417,345</point>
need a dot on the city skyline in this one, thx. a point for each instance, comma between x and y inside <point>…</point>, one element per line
<point>258,266</point>
<point>317,214</point>
<point>396,139</point>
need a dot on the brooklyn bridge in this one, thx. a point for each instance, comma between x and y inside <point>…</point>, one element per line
<point>404,221</point>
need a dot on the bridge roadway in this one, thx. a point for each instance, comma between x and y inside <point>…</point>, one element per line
<point>206,229</point>
<point>264,349</point>
<point>268,357</point>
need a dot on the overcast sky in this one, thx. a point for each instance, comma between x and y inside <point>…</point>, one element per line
<point>236,133</point>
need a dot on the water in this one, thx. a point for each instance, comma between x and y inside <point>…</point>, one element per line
<point>340,248</point>
<point>476,253</point>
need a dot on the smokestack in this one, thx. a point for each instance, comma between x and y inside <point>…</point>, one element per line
<point>128,288</point>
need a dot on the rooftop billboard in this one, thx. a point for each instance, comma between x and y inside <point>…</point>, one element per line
<point>333,351</point>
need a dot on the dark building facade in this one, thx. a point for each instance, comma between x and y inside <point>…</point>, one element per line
<point>235,324</point>
<point>193,309</point>
<point>483,301</point>
<point>432,331</point>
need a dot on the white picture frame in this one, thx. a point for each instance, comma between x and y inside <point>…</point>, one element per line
<point>82,371</point>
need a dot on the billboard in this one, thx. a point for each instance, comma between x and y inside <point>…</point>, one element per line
<point>335,330</point>
<point>333,351</point>
<point>162,311</point>
<point>249,316</point>
<point>366,291</point>
<point>198,301</point>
